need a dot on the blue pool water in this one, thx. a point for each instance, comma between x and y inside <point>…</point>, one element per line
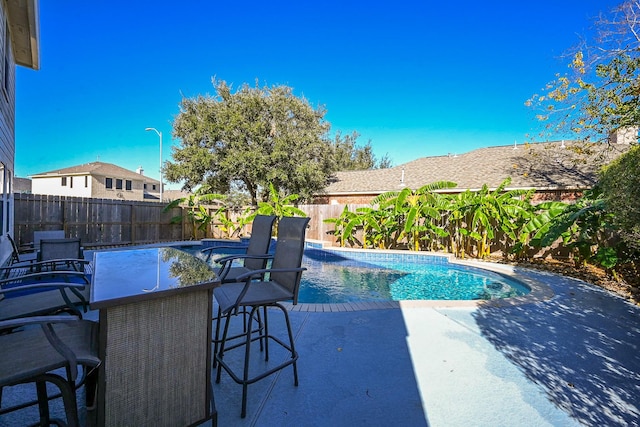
<point>331,277</point>
<point>338,277</point>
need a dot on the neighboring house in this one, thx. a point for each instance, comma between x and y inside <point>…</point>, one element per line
<point>19,45</point>
<point>96,180</point>
<point>554,169</point>
<point>21,185</point>
<point>171,195</point>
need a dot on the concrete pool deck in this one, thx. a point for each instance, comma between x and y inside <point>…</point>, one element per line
<point>571,359</point>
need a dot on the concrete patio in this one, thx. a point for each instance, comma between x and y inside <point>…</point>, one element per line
<point>571,360</point>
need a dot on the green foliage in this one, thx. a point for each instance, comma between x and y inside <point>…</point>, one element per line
<point>399,216</point>
<point>471,223</point>
<point>256,136</point>
<point>585,227</point>
<point>233,228</point>
<point>344,226</point>
<point>349,156</point>
<point>278,205</point>
<point>600,93</point>
<point>197,214</point>
<point>619,185</point>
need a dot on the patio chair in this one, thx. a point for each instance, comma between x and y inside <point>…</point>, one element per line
<point>44,293</point>
<point>256,252</point>
<point>35,354</point>
<point>61,253</point>
<point>255,257</point>
<point>18,257</point>
<point>253,290</point>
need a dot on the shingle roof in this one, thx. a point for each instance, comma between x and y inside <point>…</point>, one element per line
<point>97,169</point>
<point>550,165</point>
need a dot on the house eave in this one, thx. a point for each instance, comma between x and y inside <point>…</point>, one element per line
<point>23,21</point>
<point>454,190</point>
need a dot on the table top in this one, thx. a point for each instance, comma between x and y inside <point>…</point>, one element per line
<point>121,277</point>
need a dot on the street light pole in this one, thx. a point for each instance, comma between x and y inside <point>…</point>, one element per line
<point>160,135</point>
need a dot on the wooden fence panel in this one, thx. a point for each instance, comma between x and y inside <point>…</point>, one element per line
<point>97,222</point>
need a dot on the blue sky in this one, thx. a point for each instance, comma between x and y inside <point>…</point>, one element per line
<point>416,78</point>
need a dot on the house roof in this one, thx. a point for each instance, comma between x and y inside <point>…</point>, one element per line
<point>97,169</point>
<point>24,29</point>
<point>550,165</point>
<point>21,185</point>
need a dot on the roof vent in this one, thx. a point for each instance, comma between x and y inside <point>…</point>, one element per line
<point>402,184</point>
<point>140,171</point>
<point>562,144</point>
<point>515,145</point>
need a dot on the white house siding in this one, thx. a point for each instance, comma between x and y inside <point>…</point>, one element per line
<point>75,186</point>
<point>7,134</point>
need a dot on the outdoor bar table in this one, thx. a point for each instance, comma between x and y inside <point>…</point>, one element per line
<point>155,308</point>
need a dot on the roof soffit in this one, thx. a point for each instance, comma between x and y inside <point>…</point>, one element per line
<point>23,21</point>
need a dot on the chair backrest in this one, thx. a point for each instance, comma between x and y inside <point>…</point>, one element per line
<point>15,254</point>
<point>289,252</point>
<point>38,236</point>
<point>259,241</point>
<point>60,249</point>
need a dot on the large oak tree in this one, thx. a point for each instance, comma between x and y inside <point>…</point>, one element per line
<point>255,136</point>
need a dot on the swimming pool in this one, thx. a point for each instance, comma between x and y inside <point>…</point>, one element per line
<point>335,276</point>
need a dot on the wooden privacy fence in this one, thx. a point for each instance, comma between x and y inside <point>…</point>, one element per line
<point>97,222</point>
<point>318,229</point>
<point>109,222</point>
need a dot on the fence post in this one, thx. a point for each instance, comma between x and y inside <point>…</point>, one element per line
<point>132,224</point>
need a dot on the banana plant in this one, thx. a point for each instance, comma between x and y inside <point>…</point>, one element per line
<point>196,211</point>
<point>586,227</point>
<point>459,222</point>
<point>343,226</point>
<point>279,206</point>
<point>498,211</point>
<point>234,228</point>
<point>545,216</point>
<point>413,210</point>
<point>373,232</point>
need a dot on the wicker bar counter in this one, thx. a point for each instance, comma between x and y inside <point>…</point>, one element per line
<point>155,337</point>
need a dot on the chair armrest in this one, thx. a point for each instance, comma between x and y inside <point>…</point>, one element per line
<point>41,275</point>
<point>227,261</point>
<point>215,248</point>
<point>246,277</point>
<point>27,263</point>
<point>34,263</point>
<point>46,322</point>
<point>209,251</point>
<point>32,286</point>
<point>63,287</point>
<point>34,320</point>
<point>256,273</point>
<point>228,258</point>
